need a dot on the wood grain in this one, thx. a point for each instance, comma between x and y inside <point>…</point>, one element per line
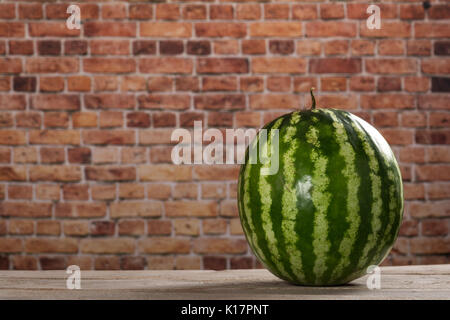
<point>406,282</point>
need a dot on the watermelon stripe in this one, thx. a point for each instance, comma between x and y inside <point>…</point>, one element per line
<point>277,206</point>
<point>289,210</point>
<point>265,191</point>
<point>365,199</point>
<point>333,208</point>
<point>253,239</point>
<point>377,202</point>
<point>352,182</point>
<point>388,171</point>
<point>306,211</point>
<point>321,200</point>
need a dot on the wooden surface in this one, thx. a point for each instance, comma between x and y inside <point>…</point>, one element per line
<point>409,282</point>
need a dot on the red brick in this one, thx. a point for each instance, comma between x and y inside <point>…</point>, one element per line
<point>103,192</point>
<point>278,65</point>
<point>220,245</point>
<point>75,192</point>
<point>188,263</point>
<point>24,263</point>
<point>274,101</point>
<point>161,245</point>
<point>226,47</point>
<point>254,46</point>
<point>80,210</point>
<point>107,246</point>
<point>51,29</point>
<point>75,47</point>
<point>131,227</point>
<point>166,65</point>
<point>222,65</point>
<point>436,66</point>
<point>276,29</point>
<point>432,172</point>
<point>429,245</point>
<point>335,65</point>
<point>332,11</point>
<point>76,228</point>
<point>431,30</point>
<point>132,263</point>
<point>114,11</point>
<point>221,12</point>
<point>12,29</point>
<point>398,136</point>
<point>48,227</point>
<point>109,29</point>
<point>51,65</point>
<point>439,11</point>
<point>241,263</point>
<point>102,228</point>
<point>438,102</point>
<point>12,137</point>
<point>56,119</point>
<point>304,11</point>
<point>214,226</point>
<point>144,47</point>
<point>55,173</point>
<point>59,11</point>
<point>110,47</point>
<point>7,11</point>
<point>214,263</point>
<point>330,29</point>
<point>109,65</point>
<point>194,12</point>
<point>52,155</point>
<point>54,137</point>
<point>414,191</point>
<point>220,29</point>
<point>114,137</point>
<point>132,83</point>
<point>248,11</point>
<point>387,101</point>
<point>412,11</point>
<point>159,227</point>
<point>25,155</point>
<point>276,11</point>
<point>52,84</point>
<point>140,11</point>
<point>166,29</point>
<point>10,65</point>
<point>187,227</point>
<point>51,245</point>
<point>438,154</point>
<point>47,192</point>
<point>435,209</point>
<point>434,227</point>
<point>190,208</point>
<point>106,83</point>
<point>21,227</point>
<point>388,30</point>
<point>110,173</point>
<point>79,155</point>
<point>107,263</point>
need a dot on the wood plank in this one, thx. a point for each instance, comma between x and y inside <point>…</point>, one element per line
<point>408,282</point>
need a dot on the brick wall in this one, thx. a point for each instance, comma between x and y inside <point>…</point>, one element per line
<point>86,117</point>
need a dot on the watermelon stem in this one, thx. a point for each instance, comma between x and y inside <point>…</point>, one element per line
<point>313,99</point>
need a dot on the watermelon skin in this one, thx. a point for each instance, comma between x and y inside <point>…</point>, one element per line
<point>333,208</point>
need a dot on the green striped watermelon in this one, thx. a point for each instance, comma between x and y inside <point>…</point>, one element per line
<point>335,205</point>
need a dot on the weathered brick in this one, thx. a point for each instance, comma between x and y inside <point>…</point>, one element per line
<point>161,245</point>
<point>107,246</point>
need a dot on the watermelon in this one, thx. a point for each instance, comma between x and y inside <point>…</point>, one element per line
<point>335,205</point>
